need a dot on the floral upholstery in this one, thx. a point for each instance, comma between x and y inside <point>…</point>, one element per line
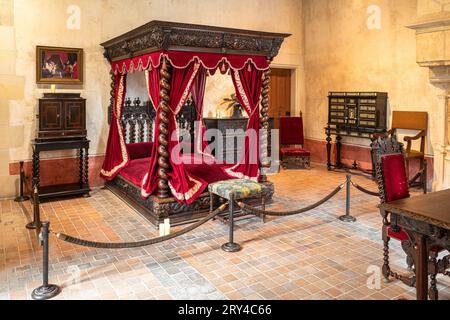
<point>239,188</point>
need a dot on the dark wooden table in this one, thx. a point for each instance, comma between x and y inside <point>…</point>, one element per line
<point>426,219</point>
<point>80,188</point>
<point>368,134</point>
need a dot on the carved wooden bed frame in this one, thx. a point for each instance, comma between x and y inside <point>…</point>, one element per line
<point>157,36</point>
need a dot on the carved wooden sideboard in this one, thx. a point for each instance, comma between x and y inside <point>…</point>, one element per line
<point>65,190</point>
<point>233,131</point>
<point>356,115</point>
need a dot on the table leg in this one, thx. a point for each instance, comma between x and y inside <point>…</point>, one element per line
<point>36,169</point>
<point>86,171</point>
<point>328,139</point>
<point>263,205</point>
<point>33,173</point>
<point>81,167</point>
<point>421,264</point>
<point>338,151</point>
<point>211,204</point>
<point>372,140</point>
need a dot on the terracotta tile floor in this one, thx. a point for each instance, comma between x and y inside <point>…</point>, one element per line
<point>309,256</point>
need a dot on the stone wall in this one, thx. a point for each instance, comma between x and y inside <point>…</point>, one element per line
<point>343,54</point>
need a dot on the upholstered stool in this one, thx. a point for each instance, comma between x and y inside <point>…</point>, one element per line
<point>232,190</point>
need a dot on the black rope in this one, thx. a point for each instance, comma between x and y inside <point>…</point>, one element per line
<point>364,190</point>
<point>103,245</point>
<point>256,211</point>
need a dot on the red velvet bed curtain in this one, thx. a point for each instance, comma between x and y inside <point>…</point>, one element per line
<point>184,188</point>
<point>248,85</point>
<point>116,156</point>
<point>189,73</point>
<point>198,95</point>
<point>150,181</point>
<point>153,77</point>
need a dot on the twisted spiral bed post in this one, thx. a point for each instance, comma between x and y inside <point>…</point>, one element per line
<point>112,93</point>
<point>265,119</point>
<point>164,114</point>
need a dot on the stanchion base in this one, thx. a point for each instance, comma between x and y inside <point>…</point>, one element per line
<point>45,293</point>
<point>33,225</point>
<point>231,247</point>
<point>347,218</point>
<point>22,199</point>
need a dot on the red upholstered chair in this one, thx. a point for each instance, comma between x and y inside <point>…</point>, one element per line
<point>291,143</point>
<point>393,185</point>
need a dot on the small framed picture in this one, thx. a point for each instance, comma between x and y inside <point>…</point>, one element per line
<point>55,65</point>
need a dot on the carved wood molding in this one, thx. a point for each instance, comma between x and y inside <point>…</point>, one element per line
<point>161,35</point>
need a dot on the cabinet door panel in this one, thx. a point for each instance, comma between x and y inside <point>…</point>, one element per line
<point>74,115</point>
<point>51,117</point>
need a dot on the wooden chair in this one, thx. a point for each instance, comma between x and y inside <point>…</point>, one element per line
<point>291,143</point>
<point>417,121</point>
<point>393,185</point>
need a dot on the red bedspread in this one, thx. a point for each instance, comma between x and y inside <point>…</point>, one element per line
<point>137,168</point>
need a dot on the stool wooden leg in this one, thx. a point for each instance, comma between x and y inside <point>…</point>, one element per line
<point>211,203</point>
<point>263,205</point>
<point>231,246</point>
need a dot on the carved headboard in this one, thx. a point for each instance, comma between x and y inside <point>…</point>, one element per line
<point>138,120</point>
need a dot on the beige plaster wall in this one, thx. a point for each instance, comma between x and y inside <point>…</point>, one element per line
<point>27,23</point>
<point>342,54</point>
<point>426,7</point>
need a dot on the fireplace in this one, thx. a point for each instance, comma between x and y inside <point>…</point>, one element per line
<point>433,52</point>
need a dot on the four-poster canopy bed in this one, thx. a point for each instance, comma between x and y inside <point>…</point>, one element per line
<point>176,59</point>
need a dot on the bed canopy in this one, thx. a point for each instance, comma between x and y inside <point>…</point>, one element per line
<point>176,59</point>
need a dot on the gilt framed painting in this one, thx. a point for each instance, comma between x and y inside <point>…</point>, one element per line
<point>55,65</point>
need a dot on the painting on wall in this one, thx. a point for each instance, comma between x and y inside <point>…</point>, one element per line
<point>55,65</point>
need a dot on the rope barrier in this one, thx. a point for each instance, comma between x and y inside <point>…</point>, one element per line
<point>144,243</point>
<point>256,211</point>
<point>364,190</point>
<point>47,291</point>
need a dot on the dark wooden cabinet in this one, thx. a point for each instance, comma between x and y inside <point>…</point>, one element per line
<point>354,114</point>
<point>233,131</point>
<point>359,112</point>
<point>61,115</point>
